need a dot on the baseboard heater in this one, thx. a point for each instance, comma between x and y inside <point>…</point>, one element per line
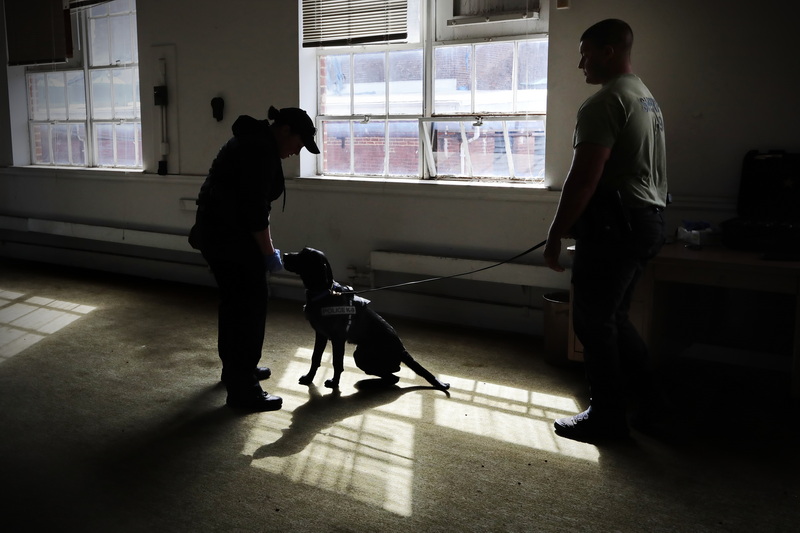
<point>434,265</point>
<point>148,254</point>
<point>149,239</point>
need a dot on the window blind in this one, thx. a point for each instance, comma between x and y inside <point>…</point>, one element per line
<point>348,22</point>
<point>79,4</point>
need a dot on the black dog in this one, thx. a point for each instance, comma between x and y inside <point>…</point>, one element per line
<point>338,315</point>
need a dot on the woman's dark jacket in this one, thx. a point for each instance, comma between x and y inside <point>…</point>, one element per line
<point>235,199</point>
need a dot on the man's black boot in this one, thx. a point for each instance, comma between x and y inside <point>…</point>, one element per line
<point>593,425</point>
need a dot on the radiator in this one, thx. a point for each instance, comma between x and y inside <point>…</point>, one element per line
<point>89,232</point>
<point>156,255</point>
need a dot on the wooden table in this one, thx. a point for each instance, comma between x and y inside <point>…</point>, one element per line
<point>716,267</point>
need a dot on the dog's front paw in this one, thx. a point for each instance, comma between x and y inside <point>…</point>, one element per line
<point>442,386</point>
<point>332,384</point>
<point>307,379</point>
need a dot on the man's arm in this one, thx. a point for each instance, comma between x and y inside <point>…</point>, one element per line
<point>588,161</point>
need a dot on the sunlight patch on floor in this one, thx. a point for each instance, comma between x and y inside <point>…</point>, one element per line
<point>26,321</point>
<point>362,443</point>
<point>513,415</point>
<point>368,457</point>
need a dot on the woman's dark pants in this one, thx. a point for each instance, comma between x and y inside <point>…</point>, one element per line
<point>243,293</point>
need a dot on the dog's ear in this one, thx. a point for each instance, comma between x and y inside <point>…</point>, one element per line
<point>328,271</point>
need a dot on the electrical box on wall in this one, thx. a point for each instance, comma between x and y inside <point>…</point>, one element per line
<point>160,97</point>
<point>164,131</point>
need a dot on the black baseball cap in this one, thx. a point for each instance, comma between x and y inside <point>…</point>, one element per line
<point>299,122</point>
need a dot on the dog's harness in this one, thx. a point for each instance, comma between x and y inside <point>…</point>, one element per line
<point>347,308</point>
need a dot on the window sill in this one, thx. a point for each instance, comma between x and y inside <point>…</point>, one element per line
<point>113,174</point>
<point>427,188</point>
<point>48,169</point>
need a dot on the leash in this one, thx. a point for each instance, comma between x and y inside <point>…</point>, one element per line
<point>437,278</point>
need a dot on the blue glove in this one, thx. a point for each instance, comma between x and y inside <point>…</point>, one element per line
<point>273,262</point>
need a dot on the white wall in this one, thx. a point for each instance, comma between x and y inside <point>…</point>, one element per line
<point>723,73</point>
<point>724,87</point>
<point>241,50</point>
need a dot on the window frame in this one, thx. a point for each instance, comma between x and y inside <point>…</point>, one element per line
<point>82,63</point>
<point>513,177</point>
<point>425,156</point>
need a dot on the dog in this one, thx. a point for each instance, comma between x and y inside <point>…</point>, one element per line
<point>338,315</point>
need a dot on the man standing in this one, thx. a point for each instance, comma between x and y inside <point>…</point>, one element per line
<point>611,203</point>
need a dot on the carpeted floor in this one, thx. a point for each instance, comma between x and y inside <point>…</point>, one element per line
<point>112,420</point>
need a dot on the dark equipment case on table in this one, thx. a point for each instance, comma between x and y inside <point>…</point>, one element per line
<point>768,206</point>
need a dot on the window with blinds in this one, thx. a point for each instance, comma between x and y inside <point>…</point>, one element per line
<point>350,22</point>
<point>471,110</point>
<point>87,113</point>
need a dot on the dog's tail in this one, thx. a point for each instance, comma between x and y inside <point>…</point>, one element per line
<point>421,371</point>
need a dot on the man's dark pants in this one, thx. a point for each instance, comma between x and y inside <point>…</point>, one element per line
<point>610,257</point>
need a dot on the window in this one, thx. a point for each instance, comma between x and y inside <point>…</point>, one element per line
<point>354,88</point>
<point>86,112</point>
<point>480,116</point>
<point>501,149</point>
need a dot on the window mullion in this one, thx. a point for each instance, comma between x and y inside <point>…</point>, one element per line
<point>465,158</point>
<point>429,161</point>
<point>352,85</point>
<point>114,143</point>
<point>110,39</point>
<point>426,160</point>
<point>509,154</point>
<point>514,76</point>
<point>386,146</point>
<point>386,140</point>
<point>47,97</point>
<point>132,24</point>
<point>91,158</point>
<point>50,143</point>
<point>473,74</point>
<point>64,97</point>
<point>69,143</point>
<point>351,124</point>
<point>113,97</point>
<point>386,74</point>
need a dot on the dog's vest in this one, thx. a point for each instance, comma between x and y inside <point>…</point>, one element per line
<point>333,313</point>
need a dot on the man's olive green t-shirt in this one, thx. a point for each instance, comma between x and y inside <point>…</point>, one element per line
<point>624,116</point>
